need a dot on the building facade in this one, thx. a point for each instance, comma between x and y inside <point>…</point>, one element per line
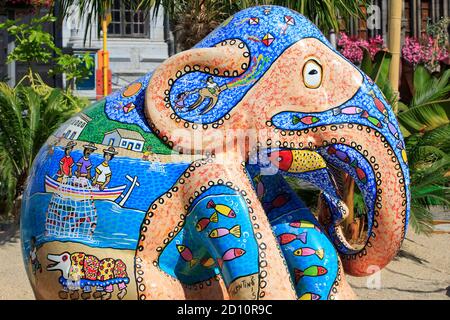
<point>126,139</point>
<point>136,44</point>
<point>417,15</point>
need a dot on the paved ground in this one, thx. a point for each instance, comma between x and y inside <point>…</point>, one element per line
<point>421,271</point>
<point>13,279</point>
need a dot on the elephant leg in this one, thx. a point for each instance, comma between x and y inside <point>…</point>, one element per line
<point>311,258</point>
<point>158,257</point>
<point>313,262</point>
<point>212,206</point>
<point>230,221</point>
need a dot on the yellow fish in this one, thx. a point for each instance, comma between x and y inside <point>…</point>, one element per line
<point>309,296</point>
<point>222,209</point>
<point>297,161</point>
<point>405,158</point>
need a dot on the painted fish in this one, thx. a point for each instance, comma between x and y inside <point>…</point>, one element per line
<point>278,202</point>
<point>393,130</point>
<point>401,146</point>
<point>207,262</point>
<point>297,161</point>
<point>404,156</point>
<point>312,271</point>
<point>204,222</point>
<point>341,155</point>
<point>230,254</point>
<point>305,120</point>
<point>309,296</point>
<point>304,224</point>
<point>347,110</point>
<point>379,104</point>
<point>186,254</point>
<point>305,252</point>
<point>221,232</point>
<point>222,209</point>
<point>286,238</point>
<point>371,119</point>
<point>359,172</point>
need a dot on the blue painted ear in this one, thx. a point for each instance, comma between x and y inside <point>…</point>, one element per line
<point>201,93</point>
<point>205,78</point>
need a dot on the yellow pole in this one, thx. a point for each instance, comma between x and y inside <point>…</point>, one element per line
<point>105,56</point>
<point>395,25</point>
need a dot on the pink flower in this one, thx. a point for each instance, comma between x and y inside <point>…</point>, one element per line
<point>412,51</point>
<point>353,48</point>
<point>426,51</point>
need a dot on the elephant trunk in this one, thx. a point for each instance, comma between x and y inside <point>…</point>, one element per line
<point>386,204</point>
<point>389,205</point>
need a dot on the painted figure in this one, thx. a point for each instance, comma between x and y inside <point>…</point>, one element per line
<point>103,171</point>
<point>66,163</point>
<point>84,164</point>
<point>210,92</point>
<point>209,215</point>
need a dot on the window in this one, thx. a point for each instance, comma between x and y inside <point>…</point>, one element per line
<point>126,22</point>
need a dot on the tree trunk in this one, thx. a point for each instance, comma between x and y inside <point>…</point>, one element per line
<point>395,24</point>
<point>349,201</point>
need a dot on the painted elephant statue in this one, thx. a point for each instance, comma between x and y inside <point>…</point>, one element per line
<point>176,187</point>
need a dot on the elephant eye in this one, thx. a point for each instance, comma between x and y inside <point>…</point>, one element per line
<point>312,74</point>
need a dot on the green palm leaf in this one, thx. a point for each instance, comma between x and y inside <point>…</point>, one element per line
<point>28,115</point>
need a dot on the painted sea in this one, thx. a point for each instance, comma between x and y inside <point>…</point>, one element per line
<point>116,226</point>
<point>154,177</point>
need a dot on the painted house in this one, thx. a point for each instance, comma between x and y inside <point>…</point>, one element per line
<point>125,139</point>
<point>73,128</point>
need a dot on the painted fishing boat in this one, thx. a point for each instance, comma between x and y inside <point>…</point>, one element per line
<point>82,191</point>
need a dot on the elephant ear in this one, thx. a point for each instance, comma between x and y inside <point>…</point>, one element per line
<point>229,58</point>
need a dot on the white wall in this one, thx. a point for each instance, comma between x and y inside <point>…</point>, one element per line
<point>130,58</point>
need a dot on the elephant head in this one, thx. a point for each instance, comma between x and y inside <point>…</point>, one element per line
<point>273,83</point>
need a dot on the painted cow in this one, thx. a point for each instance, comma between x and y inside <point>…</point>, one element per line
<point>80,271</point>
